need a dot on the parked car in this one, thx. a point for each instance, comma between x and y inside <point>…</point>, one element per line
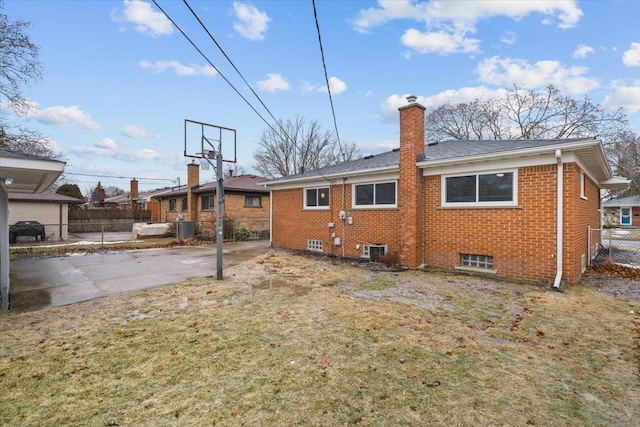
<point>26,228</point>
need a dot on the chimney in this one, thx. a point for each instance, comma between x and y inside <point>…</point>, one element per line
<point>410,187</point>
<point>133,194</point>
<point>193,180</point>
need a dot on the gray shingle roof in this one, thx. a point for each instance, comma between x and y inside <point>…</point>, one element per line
<point>44,197</point>
<point>623,201</point>
<point>443,150</point>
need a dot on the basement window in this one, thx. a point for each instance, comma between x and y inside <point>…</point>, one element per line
<point>478,261</point>
<point>314,245</point>
<point>373,252</point>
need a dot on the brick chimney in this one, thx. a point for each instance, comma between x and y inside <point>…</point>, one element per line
<point>193,180</point>
<point>410,191</point>
<point>133,194</point>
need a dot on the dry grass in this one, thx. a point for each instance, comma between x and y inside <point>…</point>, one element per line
<point>286,340</point>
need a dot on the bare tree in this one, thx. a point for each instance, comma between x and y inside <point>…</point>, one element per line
<point>19,60</point>
<point>524,114</point>
<point>296,146</point>
<point>625,157</point>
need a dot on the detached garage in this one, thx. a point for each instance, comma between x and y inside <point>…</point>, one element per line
<point>49,209</point>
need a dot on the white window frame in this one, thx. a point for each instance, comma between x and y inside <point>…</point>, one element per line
<point>374,205</point>
<point>583,177</point>
<point>316,207</point>
<point>512,202</point>
<point>314,245</point>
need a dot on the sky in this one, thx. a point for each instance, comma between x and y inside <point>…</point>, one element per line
<point>120,79</point>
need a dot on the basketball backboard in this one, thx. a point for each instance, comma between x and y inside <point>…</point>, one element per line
<point>203,140</point>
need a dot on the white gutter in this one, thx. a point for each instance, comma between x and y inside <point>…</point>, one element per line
<point>559,222</point>
<point>270,218</point>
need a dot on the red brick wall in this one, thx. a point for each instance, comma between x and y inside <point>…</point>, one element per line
<point>579,214</point>
<point>520,239</point>
<point>292,226</point>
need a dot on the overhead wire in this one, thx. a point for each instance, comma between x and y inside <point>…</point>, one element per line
<point>211,63</point>
<point>213,39</point>
<point>326,77</point>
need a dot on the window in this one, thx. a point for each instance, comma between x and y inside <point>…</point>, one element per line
<point>252,201</point>
<point>172,205</point>
<point>376,194</point>
<point>207,203</point>
<point>316,197</point>
<point>314,245</point>
<point>481,261</point>
<point>373,252</point>
<point>185,205</point>
<point>495,188</point>
<point>583,177</point>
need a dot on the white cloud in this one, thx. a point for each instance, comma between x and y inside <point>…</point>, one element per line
<point>509,37</point>
<point>631,58</point>
<point>62,116</point>
<point>273,83</point>
<point>466,94</point>
<point>627,97</point>
<point>179,69</point>
<point>133,131</point>
<point>107,144</point>
<point>582,51</point>
<point>448,23</point>
<point>250,22</point>
<point>336,85</point>
<point>145,19</point>
<point>438,42</point>
<point>507,72</point>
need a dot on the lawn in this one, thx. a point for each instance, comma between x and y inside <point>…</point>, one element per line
<point>289,340</point>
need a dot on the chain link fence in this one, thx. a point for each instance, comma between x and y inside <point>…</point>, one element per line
<point>614,245</point>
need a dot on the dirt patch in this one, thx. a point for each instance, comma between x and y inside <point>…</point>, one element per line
<point>296,340</point>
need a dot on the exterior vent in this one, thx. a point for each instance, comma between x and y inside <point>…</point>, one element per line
<point>431,144</point>
<point>369,157</point>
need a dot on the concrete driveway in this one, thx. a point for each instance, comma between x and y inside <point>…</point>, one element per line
<point>54,281</point>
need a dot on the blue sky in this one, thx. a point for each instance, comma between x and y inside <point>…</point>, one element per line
<point>120,80</point>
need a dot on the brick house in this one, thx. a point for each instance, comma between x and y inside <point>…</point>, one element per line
<point>245,201</point>
<point>489,206</point>
<point>624,211</point>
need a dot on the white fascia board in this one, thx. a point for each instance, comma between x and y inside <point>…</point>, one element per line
<point>504,155</point>
<point>316,181</point>
<point>615,183</point>
<point>548,158</point>
<point>32,164</point>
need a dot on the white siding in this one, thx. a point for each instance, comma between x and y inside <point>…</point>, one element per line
<point>54,216</point>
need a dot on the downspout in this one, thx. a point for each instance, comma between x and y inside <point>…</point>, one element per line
<point>559,222</point>
<point>344,221</point>
<point>270,218</point>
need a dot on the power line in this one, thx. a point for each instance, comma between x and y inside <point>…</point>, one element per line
<point>326,77</point>
<point>211,63</point>
<point>118,177</point>
<point>204,27</point>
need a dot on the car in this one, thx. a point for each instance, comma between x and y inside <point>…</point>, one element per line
<point>26,228</point>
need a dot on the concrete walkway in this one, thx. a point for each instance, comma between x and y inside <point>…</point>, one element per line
<point>54,281</point>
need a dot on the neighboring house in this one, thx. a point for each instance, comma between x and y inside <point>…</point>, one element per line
<point>140,200</point>
<point>245,201</point>
<point>49,209</point>
<point>489,206</point>
<point>624,211</point>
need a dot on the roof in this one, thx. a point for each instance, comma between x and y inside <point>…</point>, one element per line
<point>623,201</point>
<point>46,197</point>
<point>146,195</point>
<point>240,183</point>
<point>456,152</point>
<point>30,173</point>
